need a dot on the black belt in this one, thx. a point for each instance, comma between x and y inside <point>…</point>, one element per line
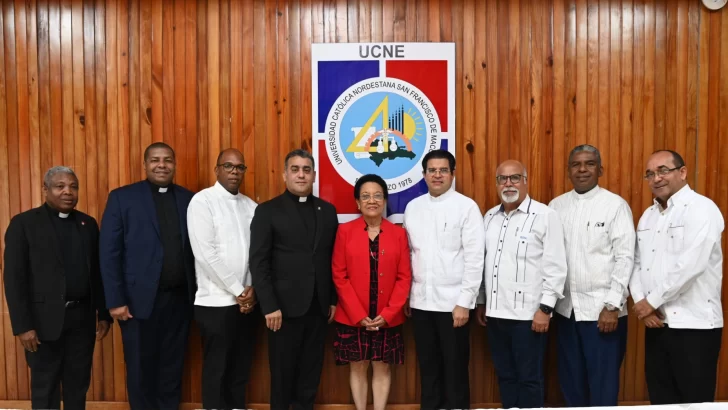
<point>74,303</point>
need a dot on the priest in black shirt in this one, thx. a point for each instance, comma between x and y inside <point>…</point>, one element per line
<point>291,242</point>
<point>54,294</point>
<point>149,279</point>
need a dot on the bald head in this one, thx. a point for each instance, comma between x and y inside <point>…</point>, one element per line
<point>512,166</point>
<point>229,169</point>
<point>229,151</point>
<point>511,184</point>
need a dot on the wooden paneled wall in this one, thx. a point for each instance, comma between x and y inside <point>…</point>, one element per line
<point>90,83</point>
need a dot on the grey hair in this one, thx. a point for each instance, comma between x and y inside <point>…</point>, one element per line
<point>586,148</point>
<point>299,153</point>
<point>59,169</point>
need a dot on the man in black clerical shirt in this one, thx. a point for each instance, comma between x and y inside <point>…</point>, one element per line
<point>53,290</point>
<point>291,242</point>
<point>149,279</point>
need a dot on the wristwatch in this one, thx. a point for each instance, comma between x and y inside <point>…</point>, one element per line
<point>610,307</point>
<point>546,308</point>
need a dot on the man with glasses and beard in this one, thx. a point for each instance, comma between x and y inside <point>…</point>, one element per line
<point>218,222</point>
<point>525,271</point>
<point>676,284</point>
<point>148,272</point>
<point>592,316</point>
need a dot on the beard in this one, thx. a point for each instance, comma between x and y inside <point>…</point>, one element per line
<point>509,197</point>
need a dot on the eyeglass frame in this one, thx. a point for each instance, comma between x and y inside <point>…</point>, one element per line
<point>521,177</point>
<point>435,171</point>
<point>232,166</point>
<point>368,197</point>
<point>661,171</point>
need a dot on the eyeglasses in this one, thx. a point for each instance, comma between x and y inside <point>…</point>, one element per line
<point>367,197</point>
<point>229,167</point>
<point>661,171</point>
<point>502,179</point>
<point>442,171</point>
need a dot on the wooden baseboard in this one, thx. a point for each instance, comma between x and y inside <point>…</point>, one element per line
<point>117,405</point>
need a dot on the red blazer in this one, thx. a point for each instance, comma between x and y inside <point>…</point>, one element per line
<point>350,268</point>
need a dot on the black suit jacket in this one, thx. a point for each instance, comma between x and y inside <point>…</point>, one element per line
<point>282,262</point>
<point>34,279</point>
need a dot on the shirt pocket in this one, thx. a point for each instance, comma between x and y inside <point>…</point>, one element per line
<point>597,237</point>
<point>450,238</point>
<point>675,238</point>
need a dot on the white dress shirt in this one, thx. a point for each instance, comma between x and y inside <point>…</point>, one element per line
<point>599,236</point>
<point>679,261</point>
<point>447,251</point>
<point>218,223</point>
<point>525,261</point>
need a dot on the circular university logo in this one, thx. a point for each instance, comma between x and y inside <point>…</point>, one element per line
<point>382,126</point>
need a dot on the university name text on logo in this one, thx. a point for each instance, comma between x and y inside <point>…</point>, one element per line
<point>382,126</point>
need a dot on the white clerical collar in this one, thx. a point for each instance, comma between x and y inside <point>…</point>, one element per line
<point>62,215</point>
<point>163,190</point>
<point>302,198</point>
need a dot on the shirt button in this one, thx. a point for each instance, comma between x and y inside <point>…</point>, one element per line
<point>495,276</point>
<point>653,250</point>
<point>496,266</point>
<point>381,291</point>
<point>381,274</point>
<point>648,269</point>
<point>493,291</point>
<point>499,250</point>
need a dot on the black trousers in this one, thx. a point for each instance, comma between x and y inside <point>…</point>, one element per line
<point>681,364</point>
<point>154,352</point>
<point>227,342</point>
<point>443,353</point>
<point>296,357</point>
<point>66,361</point>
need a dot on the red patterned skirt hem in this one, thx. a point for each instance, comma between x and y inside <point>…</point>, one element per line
<point>353,344</point>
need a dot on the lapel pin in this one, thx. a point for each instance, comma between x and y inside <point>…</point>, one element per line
<point>319,208</point>
<point>83,222</point>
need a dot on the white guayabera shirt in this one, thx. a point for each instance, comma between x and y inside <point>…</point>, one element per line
<point>525,263</point>
<point>599,237</point>
<point>679,261</point>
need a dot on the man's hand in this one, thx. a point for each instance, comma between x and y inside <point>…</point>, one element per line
<point>121,313</point>
<point>480,315</point>
<point>29,340</point>
<point>460,316</point>
<point>406,309</point>
<point>654,320</point>
<point>274,320</point>
<point>607,322</point>
<point>247,300</point>
<point>643,309</point>
<point>102,329</point>
<point>540,322</point>
<point>247,297</point>
<point>332,312</point>
<point>376,323</point>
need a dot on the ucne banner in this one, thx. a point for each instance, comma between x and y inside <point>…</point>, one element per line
<point>378,109</point>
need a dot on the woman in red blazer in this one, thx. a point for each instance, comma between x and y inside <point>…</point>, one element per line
<point>372,275</point>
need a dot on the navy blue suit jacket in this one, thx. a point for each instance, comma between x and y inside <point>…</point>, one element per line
<point>130,248</point>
